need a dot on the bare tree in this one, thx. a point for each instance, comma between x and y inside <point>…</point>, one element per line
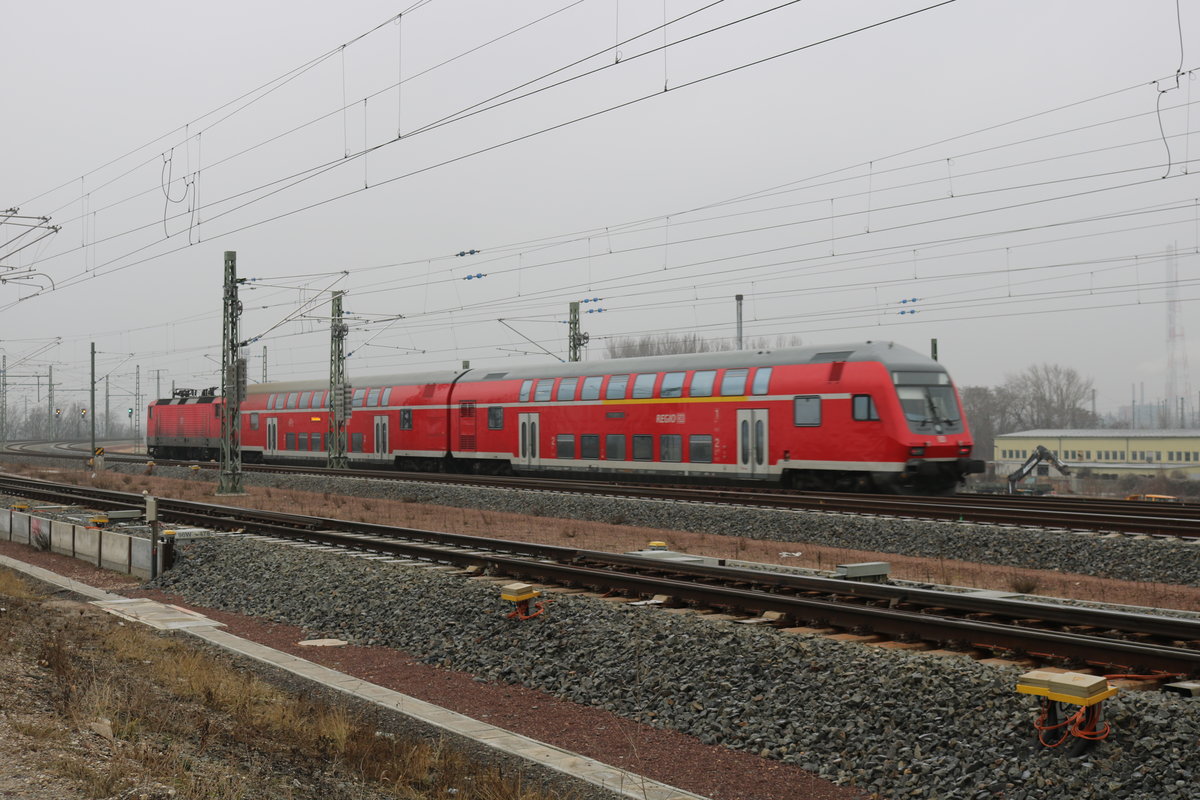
<point>1049,396</point>
<point>665,344</point>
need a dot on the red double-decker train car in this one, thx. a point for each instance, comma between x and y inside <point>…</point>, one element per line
<point>872,416</point>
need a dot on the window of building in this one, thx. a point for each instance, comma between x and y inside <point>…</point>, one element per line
<point>589,445</point>
<point>254,421</point>
<point>406,419</point>
<point>373,397</point>
<point>289,441</point>
<point>643,385</point>
<point>591,388</point>
<point>733,382</point>
<point>672,385</point>
<point>702,383</point>
<point>303,441</point>
<point>292,399</point>
<point>670,447</point>
<point>864,407</point>
<point>305,398</point>
<point>1170,455</point>
<point>356,443</point>
<point>614,447</point>
<point>526,388</point>
<point>495,418</point>
<point>643,447</point>
<point>566,389</point>
<point>700,448</point>
<point>762,380</point>
<point>807,410</point>
<point>564,445</point>
<point>544,389</point>
<point>616,387</point>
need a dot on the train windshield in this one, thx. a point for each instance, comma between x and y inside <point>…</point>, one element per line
<point>928,401</point>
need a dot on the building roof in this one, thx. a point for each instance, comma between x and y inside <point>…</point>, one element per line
<point>1105,433</point>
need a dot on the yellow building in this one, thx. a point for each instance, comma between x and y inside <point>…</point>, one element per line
<point>1106,453</point>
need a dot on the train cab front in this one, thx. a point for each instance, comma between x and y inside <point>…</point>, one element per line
<point>939,452</point>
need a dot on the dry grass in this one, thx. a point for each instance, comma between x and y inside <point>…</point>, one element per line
<point>154,708</point>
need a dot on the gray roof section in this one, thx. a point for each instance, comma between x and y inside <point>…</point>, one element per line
<point>1106,433</point>
<point>892,355</point>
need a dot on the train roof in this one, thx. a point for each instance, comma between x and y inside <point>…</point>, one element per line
<point>890,354</point>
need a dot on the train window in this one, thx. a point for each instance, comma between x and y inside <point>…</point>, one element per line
<point>589,446</point>
<point>760,440</point>
<point>762,380</point>
<point>387,396</point>
<point>566,389</point>
<point>373,397</point>
<point>544,389</point>
<point>700,448</point>
<point>864,407</point>
<point>526,388</point>
<point>406,419</point>
<point>591,388</point>
<point>292,399</point>
<point>733,383</point>
<point>920,378</point>
<point>643,447</point>
<point>305,398</point>
<point>614,447</point>
<point>564,445</point>
<point>670,447</point>
<point>303,441</point>
<point>254,422</point>
<point>271,402</point>
<point>807,410</point>
<point>356,443</point>
<point>616,387</point>
<point>702,383</point>
<point>672,385</point>
<point>744,438</point>
<point>495,418</point>
<point>357,400</point>
<point>289,441</point>
<point>643,385</point>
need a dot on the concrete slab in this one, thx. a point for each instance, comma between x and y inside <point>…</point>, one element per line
<point>160,616</point>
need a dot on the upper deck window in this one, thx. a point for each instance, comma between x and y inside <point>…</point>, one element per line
<point>616,387</point>
<point>672,385</point>
<point>702,383</point>
<point>526,389</point>
<point>544,389</point>
<point>643,385</point>
<point>591,388</point>
<point>733,382</point>
<point>762,381</point>
<point>566,389</point>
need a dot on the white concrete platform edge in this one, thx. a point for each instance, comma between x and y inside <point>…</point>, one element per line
<point>613,779</point>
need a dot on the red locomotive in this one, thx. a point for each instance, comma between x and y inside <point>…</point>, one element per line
<point>873,416</point>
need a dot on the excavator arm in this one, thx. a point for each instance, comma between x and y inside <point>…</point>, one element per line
<point>1038,455</point>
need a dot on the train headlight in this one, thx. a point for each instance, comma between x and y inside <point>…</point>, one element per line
<point>916,451</point>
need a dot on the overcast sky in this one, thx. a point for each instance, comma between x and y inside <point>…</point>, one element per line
<point>1019,168</point>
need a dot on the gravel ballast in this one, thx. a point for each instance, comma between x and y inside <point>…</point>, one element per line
<point>900,724</point>
<point>1119,557</point>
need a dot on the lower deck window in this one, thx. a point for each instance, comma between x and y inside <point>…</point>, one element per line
<point>864,407</point>
<point>643,447</point>
<point>289,441</point>
<point>564,445</point>
<point>700,449</point>
<point>589,446</point>
<point>614,447</point>
<point>303,441</point>
<point>670,446</point>
<point>356,443</point>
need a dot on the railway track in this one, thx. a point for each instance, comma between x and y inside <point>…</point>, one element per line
<point>1074,514</point>
<point>1128,642</point>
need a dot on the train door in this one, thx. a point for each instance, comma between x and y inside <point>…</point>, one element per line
<point>272,428</point>
<point>383,450</point>
<point>527,454</point>
<point>752,442</point>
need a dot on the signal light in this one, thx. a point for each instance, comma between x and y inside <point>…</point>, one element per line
<point>83,412</point>
<point>129,411</point>
<point>58,412</point>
